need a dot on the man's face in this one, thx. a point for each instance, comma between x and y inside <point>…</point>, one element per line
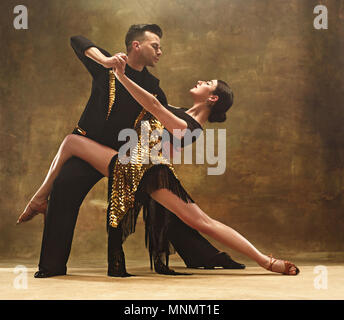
<point>150,50</point>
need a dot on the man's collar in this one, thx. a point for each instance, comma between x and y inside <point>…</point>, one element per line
<point>133,71</point>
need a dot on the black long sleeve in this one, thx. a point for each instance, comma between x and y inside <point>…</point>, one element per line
<point>80,44</point>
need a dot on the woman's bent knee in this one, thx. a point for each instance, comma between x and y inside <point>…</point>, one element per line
<point>68,141</point>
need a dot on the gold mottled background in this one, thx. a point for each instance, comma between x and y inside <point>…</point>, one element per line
<point>283,187</point>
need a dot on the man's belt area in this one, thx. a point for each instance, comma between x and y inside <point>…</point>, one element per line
<point>80,130</point>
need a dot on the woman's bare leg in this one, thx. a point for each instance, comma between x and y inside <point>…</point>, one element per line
<point>193,216</point>
<point>97,155</point>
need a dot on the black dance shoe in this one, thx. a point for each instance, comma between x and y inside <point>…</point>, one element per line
<point>116,267</point>
<point>220,260</point>
<point>162,268</point>
<point>46,274</point>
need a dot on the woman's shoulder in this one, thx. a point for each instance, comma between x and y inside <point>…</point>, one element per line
<point>181,113</point>
<point>176,108</point>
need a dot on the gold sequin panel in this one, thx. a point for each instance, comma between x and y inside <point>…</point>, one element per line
<point>126,177</point>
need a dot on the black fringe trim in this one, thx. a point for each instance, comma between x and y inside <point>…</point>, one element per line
<point>156,217</point>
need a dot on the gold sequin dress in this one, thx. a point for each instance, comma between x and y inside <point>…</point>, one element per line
<point>130,184</point>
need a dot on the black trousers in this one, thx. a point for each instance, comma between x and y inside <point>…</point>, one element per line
<point>71,186</point>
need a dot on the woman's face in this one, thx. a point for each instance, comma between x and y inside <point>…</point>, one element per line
<point>203,90</point>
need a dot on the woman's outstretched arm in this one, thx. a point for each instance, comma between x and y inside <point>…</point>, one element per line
<point>149,102</point>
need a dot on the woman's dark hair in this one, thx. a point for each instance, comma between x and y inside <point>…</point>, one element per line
<point>136,32</point>
<point>225,101</point>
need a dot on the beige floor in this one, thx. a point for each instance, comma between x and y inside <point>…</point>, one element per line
<point>90,282</point>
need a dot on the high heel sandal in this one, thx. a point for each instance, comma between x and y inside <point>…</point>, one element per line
<point>287,266</point>
<point>116,265</point>
<point>162,268</point>
<point>31,210</point>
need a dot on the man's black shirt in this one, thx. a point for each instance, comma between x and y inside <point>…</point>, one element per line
<point>125,108</point>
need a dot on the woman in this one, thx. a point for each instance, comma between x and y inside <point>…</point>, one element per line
<point>138,184</point>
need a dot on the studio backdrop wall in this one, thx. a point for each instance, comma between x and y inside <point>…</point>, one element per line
<point>284,179</point>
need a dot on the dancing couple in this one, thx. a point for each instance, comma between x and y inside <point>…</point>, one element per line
<point>125,95</point>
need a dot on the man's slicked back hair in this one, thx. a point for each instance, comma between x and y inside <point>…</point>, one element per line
<point>136,32</point>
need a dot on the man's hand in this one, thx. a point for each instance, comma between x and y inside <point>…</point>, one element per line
<point>111,62</point>
<point>107,62</point>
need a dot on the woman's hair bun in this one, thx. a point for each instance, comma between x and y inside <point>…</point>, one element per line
<point>221,106</point>
<point>217,117</point>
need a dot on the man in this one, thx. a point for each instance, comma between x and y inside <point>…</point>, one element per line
<point>110,109</point>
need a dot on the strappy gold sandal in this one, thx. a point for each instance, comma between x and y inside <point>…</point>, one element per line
<point>287,266</point>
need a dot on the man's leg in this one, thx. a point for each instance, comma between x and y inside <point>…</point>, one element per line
<point>69,190</point>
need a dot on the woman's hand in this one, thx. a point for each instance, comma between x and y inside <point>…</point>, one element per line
<point>119,62</point>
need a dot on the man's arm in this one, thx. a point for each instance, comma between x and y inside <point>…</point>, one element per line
<point>95,59</point>
<point>96,55</point>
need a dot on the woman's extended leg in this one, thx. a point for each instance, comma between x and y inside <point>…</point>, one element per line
<point>192,215</point>
<point>97,155</point>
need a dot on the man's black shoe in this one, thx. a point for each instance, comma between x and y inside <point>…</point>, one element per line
<point>220,260</point>
<point>119,274</point>
<point>46,274</point>
<point>162,268</point>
